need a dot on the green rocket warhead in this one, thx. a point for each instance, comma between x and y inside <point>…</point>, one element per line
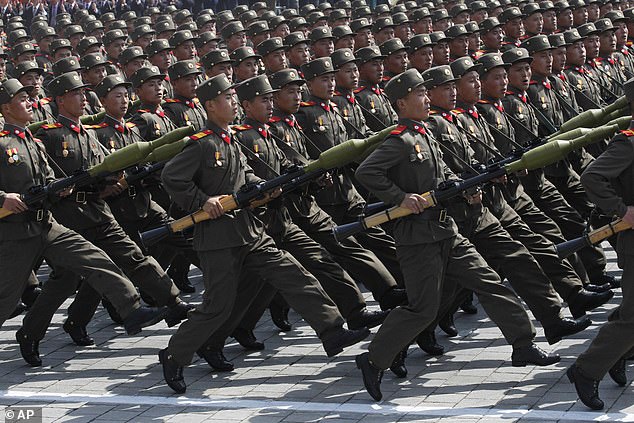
<point>347,152</point>
<point>572,134</point>
<point>594,117</point>
<point>165,152</point>
<point>135,153</point>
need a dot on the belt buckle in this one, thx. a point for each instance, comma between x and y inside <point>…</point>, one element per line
<point>131,191</point>
<point>80,197</point>
<point>39,215</point>
<point>443,216</point>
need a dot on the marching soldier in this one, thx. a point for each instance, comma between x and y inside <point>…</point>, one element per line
<point>232,245</point>
<point>347,80</point>
<point>184,109</point>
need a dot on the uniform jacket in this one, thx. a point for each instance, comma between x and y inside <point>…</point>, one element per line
<point>376,107</point>
<point>185,111</point>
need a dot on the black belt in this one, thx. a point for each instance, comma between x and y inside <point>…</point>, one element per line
<point>84,196</point>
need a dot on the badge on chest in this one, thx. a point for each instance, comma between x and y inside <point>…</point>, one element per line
<point>13,157</point>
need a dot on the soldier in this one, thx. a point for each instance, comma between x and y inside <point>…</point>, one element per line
<point>322,43</point>
<point>346,81</point>
<point>114,43</point>
<point>44,37</point>
<point>344,37</point>
<point>234,35</point>
<point>440,48</point>
<point>324,127</point>
<point>479,11</point>
<point>420,52</point>
<point>73,149</point>
<point>362,29</point>
<point>142,36</point>
<point>492,36</point>
<point>458,37</point>
<point>383,30</point>
<point>244,62</point>
<point>258,31</point>
<point>370,96</point>
<point>564,16</point>
<point>395,60</point>
<point>32,231</point>
<point>184,108</point>
<point>606,61</point>
<point>232,245</point>
<point>159,55</point>
<point>441,20</point>
<point>131,60</point>
<point>533,20</point>
<point>429,245</point>
<point>272,52</point>
<point>30,74</point>
<point>182,43</point>
<point>608,181</point>
<point>559,80</point>
<point>513,26</point>
<point>624,53</point>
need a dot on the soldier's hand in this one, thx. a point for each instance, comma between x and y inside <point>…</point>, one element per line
<point>213,207</point>
<point>628,218</point>
<point>65,193</point>
<point>276,192</point>
<point>414,202</point>
<point>14,203</point>
<point>111,190</point>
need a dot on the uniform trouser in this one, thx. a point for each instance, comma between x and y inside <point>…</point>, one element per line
<point>61,248</point>
<point>374,239</point>
<point>543,225</point>
<point>339,286</point>
<point>225,272</point>
<point>561,274</point>
<point>168,248</point>
<point>362,264</point>
<point>616,337</point>
<point>553,204</point>
<point>430,270</point>
<point>143,271</point>
<point>509,257</point>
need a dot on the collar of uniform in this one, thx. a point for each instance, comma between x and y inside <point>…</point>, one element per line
<point>69,123</point>
<point>542,80</point>
<point>224,135</point>
<point>470,109</point>
<point>576,68</point>
<point>413,125</point>
<point>262,128</point>
<point>446,114</point>
<point>324,104</point>
<point>609,58</point>
<point>496,102</point>
<point>116,124</point>
<point>348,94</point>
<point>278,115</point>
<point>521,94</point>
<point>15,130</point>
<point>189,102</point>
<point>152,108</point>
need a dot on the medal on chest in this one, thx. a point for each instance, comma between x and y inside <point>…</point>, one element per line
<point>419,154</point>
<point>157,129</point>
<point>542,99</point>
<point>345,113</point>
<point>13,155</point>
<point>372,108</point>
<point>499,122</point>
<point>287,137</point>
<point>112,146</point>
<point>218,158</point>
<point>64,148</point>
<point>520,114</point>
<point>321,126</point>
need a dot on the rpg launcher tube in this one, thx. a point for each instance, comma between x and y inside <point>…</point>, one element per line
<point>568,248</point>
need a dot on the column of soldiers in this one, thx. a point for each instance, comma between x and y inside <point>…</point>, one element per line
<point>466,83</point>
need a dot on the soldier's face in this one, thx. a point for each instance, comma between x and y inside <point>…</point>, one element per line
<point>145,40</point>
<point>372,71</point>
<point>248,68</point>
<point>423,26</point>
<point>459,46</point>
<point>34,79</point>
<point>115,48</point>
<point>397,62</point>
<point>281,31</point>
<point>19,110</point>
<point>45,43</point>
<point>534,23</point>
<point>564,19</point>
<point>550,20</point>
<point>116,102</point>
<point>345,42</point>
<point>621,33</point>
<point>443,96</point>
<point>593,12</point>
<point>133,66</point>
<point>422,58</point>
<point>260,108</point>
<point>462,18</point>
<point>364,38</point>
<point>404,32</point>
<point>474,41</point>
<point>288,98</point>
<point>468,88</point>
<point>25,57</point>
<point>495,82</point>
<point>559,59</point>
<point>162,60</point>
<point>384,35</point>
<point>576,53</point>
<point>479,15</point>
<point>514,28</point>
<point>223,109</point>
<point>237,40</point>
<point>414,105</point>
<point>323,48</point>
<point>323,86</point>
<point>441,53</point>
<point>348,76</point>
<point>493,39</point>
<point>72,103</point>
<point>151,92</point>
<point>186,86</point>
<point>299,54</point>
<point>519,75</point>
<point>580,16</point>
<point>592,46</point>
<point>542,63</point>
<point>607,42</point>
<point>441,25</point>
<point>185,51</point>
<point>275,61</point>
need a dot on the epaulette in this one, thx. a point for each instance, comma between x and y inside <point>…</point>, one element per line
<point>275,119</point>
<point>4,133</point>
<point>358,90</point>
<point>51,125</point>
<point>242,127</point>
<point>96,126</point>
<point>398,130</point>
<point>483,101</point>
<point>458,110</point>
<point>143,111</point>
<point>130,124</point>
<point>307,103</point>
<point>201,134</point>
<point>45,100</point>
<point>172,100</point>
<point>628,133</point>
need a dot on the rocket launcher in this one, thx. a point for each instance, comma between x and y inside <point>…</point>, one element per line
<point>257,194</point>
<point>568,248</point>
<point>595,117</point>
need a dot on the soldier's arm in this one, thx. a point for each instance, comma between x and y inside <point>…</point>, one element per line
<point>178,177</point>
<point>372,173</point>
<point>596,179</point>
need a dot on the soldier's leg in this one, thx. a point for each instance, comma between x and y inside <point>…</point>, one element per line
<point>616,337</point>
<point>142,270</point>
<point>511,258</point>
<point>423,268</point>
<point>571,189</point>
<point>561,274</point>
<point>17,258</point>
<point>257,308</point>
<point>470,270</point>
<point>332,277</point>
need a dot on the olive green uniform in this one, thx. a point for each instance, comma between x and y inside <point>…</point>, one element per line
<point>233,247</point>
<point>376,107</point>
<point>433,255</point>
<point>25,237</point>
<point>185,111</point>
<point>609,181</point>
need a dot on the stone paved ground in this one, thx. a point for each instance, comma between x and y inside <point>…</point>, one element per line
<point>119,379</point>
